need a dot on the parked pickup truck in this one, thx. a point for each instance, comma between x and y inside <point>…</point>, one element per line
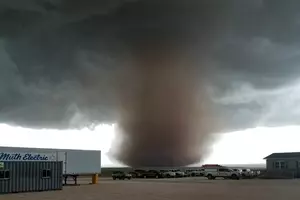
<point>121,175</point>
<point>226,173</point>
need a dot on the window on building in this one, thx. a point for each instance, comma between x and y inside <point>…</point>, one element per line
<point>46,173</point>
<point>280,165</point>
<point>285,165</point>
<point>4,174</point>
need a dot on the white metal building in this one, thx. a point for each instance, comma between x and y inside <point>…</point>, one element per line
<point>46,162</point>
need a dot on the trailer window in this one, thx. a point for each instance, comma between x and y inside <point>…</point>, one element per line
<point>4,174</point>
<point>46,173</point>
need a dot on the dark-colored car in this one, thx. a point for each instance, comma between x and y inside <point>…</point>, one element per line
<point>138,173</point>
<point>154,174</point>
<point>121,175</point>
<point>133,174</point>
<point>147,174</point>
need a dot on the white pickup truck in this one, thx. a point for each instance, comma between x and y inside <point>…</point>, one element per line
<point>222,172</point>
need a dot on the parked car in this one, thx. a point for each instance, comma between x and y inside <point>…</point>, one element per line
<point>222,172</point>
<point>154,174</point>
<point>188,172</point>
<point>179,173</point>
<point>168,173</point>
<point>139,173</point>
<point>238,170</point>
<point>121,175</point>
<point>256,173</point>
<point>133,174</point>
<point>147,174</point>
<point>194,172</point>
<point>247,173</point>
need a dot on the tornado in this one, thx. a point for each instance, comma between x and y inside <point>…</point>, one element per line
<point>164,118</point>
<point>165,113</point>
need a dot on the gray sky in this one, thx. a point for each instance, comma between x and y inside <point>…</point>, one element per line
<point>59,59</point>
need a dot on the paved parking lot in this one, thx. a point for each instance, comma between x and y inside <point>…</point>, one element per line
<point>162,189</point>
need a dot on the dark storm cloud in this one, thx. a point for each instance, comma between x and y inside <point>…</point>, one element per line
<point>62,62</point>
<point>67,54</point>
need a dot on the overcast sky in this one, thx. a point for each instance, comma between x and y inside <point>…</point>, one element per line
<point>50,51</point>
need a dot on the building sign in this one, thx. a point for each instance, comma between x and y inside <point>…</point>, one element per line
<point>1,165</point>
<point>25,156</point>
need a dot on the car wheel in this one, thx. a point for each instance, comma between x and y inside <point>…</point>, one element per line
<point>145,176</point>
<point>129,178</point>
<point>209,176</point>
<point>114,178</point>
<point>234,176</point>
<point>156,176</point>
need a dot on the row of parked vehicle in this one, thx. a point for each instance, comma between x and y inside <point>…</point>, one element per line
<point>209,171</point>
<point>148,174</point>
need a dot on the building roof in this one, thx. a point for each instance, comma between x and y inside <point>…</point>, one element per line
<point>283,155</point>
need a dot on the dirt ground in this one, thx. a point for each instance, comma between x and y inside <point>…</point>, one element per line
<point>184,188</point>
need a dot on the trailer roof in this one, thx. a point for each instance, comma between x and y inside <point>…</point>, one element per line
<point>40,148</point>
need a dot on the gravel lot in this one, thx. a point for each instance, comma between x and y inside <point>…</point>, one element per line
<point>184,188</point>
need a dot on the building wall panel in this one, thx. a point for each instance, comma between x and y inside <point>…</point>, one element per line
<point>27,177</point>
